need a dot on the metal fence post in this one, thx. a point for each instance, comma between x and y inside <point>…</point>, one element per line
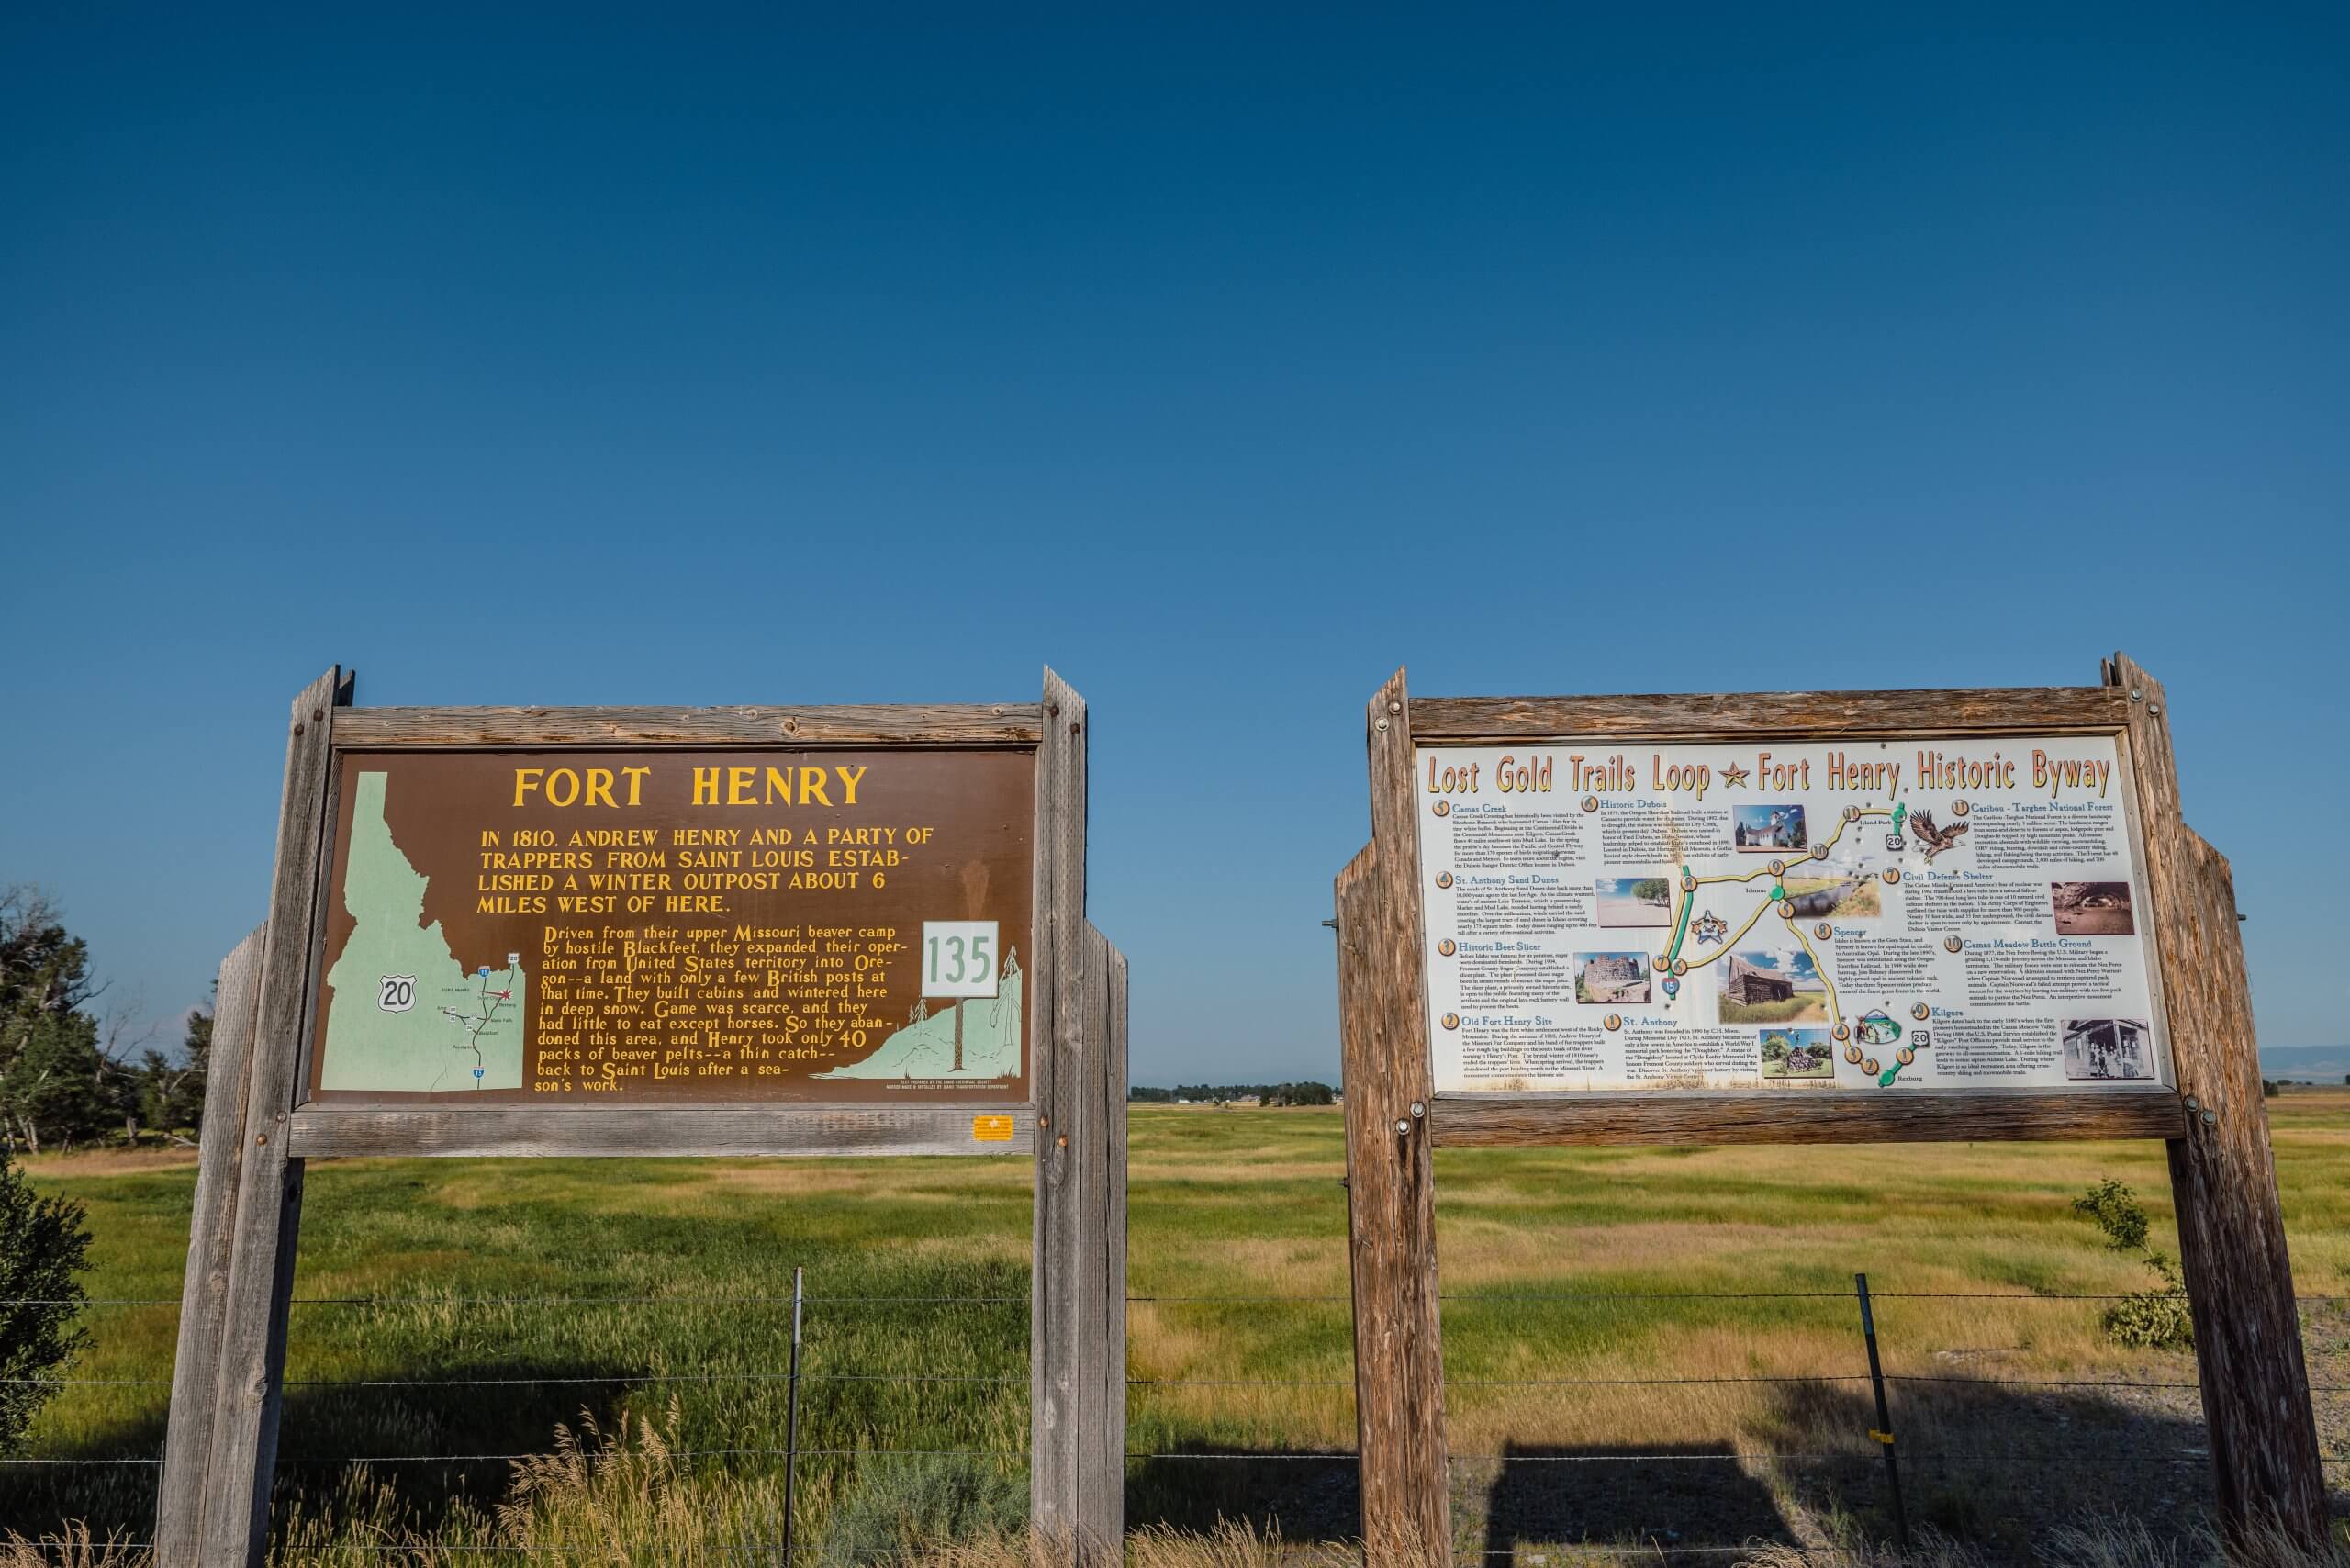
<point>1883,1430</point>
<point>791,1417</point>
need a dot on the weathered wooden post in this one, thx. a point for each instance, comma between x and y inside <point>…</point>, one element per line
<point>188,1453</point>
<point>1391,1178</point>
<point>221,1446</point>
<point>2264,1457</point>
<point>1078,1326</point>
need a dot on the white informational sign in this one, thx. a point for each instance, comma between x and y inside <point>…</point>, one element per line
<point>1866,916</point>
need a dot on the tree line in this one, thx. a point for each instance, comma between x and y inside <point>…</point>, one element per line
<point>67,1076</point>
<point>1307,1092</point>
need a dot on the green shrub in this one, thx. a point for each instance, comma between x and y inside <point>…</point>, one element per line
<point>2114,1208</point>
<point>43,1244</point>
<point>2157,1319</point>
<point>900,1504</point>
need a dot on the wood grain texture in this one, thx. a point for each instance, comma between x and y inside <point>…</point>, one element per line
<point>1391,1179</point>
<point>1105,1496</point>
<point>269,1188</point>
<point>1808,714</point>
<point>811,1131</point>
<point>2265,1455</point>
<point>1097,1144</point>
<point>196,1365</point>
<point>994,724</point>
<point>1057,1286</point>
<point>1732,1117</point>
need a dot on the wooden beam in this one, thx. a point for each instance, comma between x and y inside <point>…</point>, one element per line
<point>2265,1455</point>
<point>269,1188</point>
<point>1813,715</point>
<point>1069,1075</point>
<point>1105,1494</point>
<point>319,1131</point>
<point>974,724</point>
<point>1391,1179</point>
<point>1097,1141</point>
<point>1779,1115</point>
<point>195,1366</point>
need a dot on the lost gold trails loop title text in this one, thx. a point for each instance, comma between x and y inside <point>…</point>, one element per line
<point>1869,775</point>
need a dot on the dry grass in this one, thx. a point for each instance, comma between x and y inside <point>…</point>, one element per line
<point>1574,1274</point>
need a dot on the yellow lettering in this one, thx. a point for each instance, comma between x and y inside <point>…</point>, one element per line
<point>600,787</point>
<point>566,781</point>
<point>779,783</point>
<point>812,785</point>
<point>849,777</point>
<point>738,786</point>
<point>525,781</point>
<point>635,776</point>
<point>705,786</point>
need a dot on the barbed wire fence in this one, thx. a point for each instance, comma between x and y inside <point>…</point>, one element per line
<point>1892,1410</point>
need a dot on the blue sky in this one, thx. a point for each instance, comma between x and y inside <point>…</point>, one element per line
<point>1225,359</point>
<point>1799,964</point>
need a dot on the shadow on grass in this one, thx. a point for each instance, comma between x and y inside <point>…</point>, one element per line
<point>406,1435</point>
<point>2001,1465</point>
<point>1656,1496</point>
<point>1997,1466</point>
<point>1307,1495</point>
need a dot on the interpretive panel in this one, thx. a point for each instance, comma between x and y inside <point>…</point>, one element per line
<point>590,927</point>
<point>1868,916</point>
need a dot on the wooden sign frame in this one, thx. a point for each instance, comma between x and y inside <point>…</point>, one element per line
<point>220,1445</point>
<point>2256,1391</point>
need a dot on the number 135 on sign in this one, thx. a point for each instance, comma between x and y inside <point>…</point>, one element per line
<point>959,957</point>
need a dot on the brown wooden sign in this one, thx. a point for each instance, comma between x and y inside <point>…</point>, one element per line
<point>1796,918</point>
<point>588,929</point>
<point>666,931</point>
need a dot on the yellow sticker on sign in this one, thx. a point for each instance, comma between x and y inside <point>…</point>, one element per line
<point>991,1130</point>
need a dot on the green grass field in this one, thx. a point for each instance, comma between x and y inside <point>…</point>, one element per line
<point>1805,1006</point>
<point>1593,1380</point>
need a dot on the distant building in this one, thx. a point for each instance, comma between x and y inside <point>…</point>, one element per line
<point>2107,1048</point>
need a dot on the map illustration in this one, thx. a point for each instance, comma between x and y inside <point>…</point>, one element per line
<point>1875,917</point>
<point>409,1016</point>
<point>975,1038</point>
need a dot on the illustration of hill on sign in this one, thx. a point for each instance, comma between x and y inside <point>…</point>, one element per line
<point>982,1034</point>
<point>409,1017</point>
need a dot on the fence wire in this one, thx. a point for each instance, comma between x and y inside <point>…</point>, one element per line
<point>1863,1451</point>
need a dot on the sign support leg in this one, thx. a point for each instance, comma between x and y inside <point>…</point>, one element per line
<point>2265,1455</point>
<point>1391,1177</point>
<point>179,1503</point>
<point>259,1279</point>
<point>1077,1365</point>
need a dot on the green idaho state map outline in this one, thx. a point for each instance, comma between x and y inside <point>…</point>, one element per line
<point>465,1028</point>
